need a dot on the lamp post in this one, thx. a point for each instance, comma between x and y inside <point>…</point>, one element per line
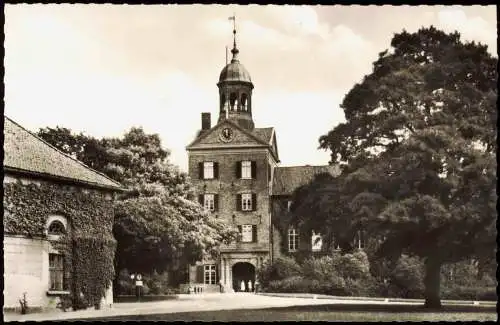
<point>132,276</point>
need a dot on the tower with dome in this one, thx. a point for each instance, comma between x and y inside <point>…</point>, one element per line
<point>234,167</point>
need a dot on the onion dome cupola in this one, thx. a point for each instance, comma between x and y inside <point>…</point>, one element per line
<point>235,91</point>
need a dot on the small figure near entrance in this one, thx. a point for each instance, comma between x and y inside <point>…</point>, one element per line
<point>249,286</point>
<point>242,286</point>
<point>256,286</point>
<point>220,286</point>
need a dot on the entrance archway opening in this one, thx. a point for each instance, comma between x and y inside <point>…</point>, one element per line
<point>243,271</point>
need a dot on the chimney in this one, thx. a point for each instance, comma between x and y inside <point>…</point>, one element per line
<point>205,121</point>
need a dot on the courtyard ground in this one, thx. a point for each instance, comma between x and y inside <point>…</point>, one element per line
<point>252,307</point>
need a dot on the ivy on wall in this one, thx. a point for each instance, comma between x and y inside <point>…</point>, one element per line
<point>88,247</point>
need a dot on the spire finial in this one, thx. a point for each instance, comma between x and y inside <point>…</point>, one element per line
<point>235,49</point>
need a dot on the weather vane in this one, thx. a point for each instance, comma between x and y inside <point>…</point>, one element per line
<point>233,18</point>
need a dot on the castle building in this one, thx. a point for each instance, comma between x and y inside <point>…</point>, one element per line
<point>235,170</point>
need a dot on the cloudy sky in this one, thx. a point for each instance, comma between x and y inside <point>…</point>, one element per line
<point>102,69</point>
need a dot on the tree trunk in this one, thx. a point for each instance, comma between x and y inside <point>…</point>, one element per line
<point>432,282</point>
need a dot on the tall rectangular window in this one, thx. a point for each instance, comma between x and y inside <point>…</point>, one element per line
<point>209,202</point>
<point>293,239</point>
<point>56,272</point>
<point>246,202</point>
<point>246,233</point>
<point>316,242</point>
<point>246,169</point>
<point>208,170</point>
<point>210,274</point>
<point>359,239</point>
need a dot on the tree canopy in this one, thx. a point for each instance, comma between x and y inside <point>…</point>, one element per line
<point>417,152</point>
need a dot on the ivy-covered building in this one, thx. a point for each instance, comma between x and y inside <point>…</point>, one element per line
<point>234,167</point>
<point>58,219</point>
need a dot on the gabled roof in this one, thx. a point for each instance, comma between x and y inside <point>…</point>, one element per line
<point>264,137</point>
<point>287,179</point>
<point>268,135</point>
<point>26,153</point>
<point>201,135</point>
<point>264,133</point>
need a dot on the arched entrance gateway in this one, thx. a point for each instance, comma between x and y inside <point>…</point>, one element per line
<point>243,271</point>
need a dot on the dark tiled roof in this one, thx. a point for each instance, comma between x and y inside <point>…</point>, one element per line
<point>264,134</point>
<point>25,152</point>
<point>288,179</point>
<point>234,71</point>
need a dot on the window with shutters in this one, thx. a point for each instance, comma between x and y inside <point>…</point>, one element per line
<point>209,202</point>
<point>208,170</point>
<point>246,233</point>
<point>293,239</point>
<point>246,169</point>
<point>56,272</point>
<point>246,202</point>
<point>210,274</point>
<point>316,242</point>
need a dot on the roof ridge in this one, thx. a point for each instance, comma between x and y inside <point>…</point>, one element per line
<point>306,166</point>
<point>61,152</point>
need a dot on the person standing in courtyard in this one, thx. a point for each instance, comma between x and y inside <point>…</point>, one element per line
<point>249,286</point>
<point>242,286</point>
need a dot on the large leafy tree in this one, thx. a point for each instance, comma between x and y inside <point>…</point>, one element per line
<point>165,233</point>
<point>418,154</point>
<point>156,225</point>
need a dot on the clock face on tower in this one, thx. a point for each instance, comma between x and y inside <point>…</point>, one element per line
<point>226,134</point>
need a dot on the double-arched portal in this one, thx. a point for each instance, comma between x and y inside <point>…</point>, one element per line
<point>243,271</point>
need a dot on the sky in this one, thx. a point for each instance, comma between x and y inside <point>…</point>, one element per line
<point>102,69</point>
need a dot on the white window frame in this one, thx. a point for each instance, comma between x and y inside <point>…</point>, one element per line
<point>55,218</point>
<point>316,247</point>
<point>246,233</point>
<point>246,202</point>
<point>208,170</point>
<point>210,274</point>
<point>357,239</point>
<point>56,273</point>
<point>209,202</point>
<point>293,239</point>
<point>246,169</point>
